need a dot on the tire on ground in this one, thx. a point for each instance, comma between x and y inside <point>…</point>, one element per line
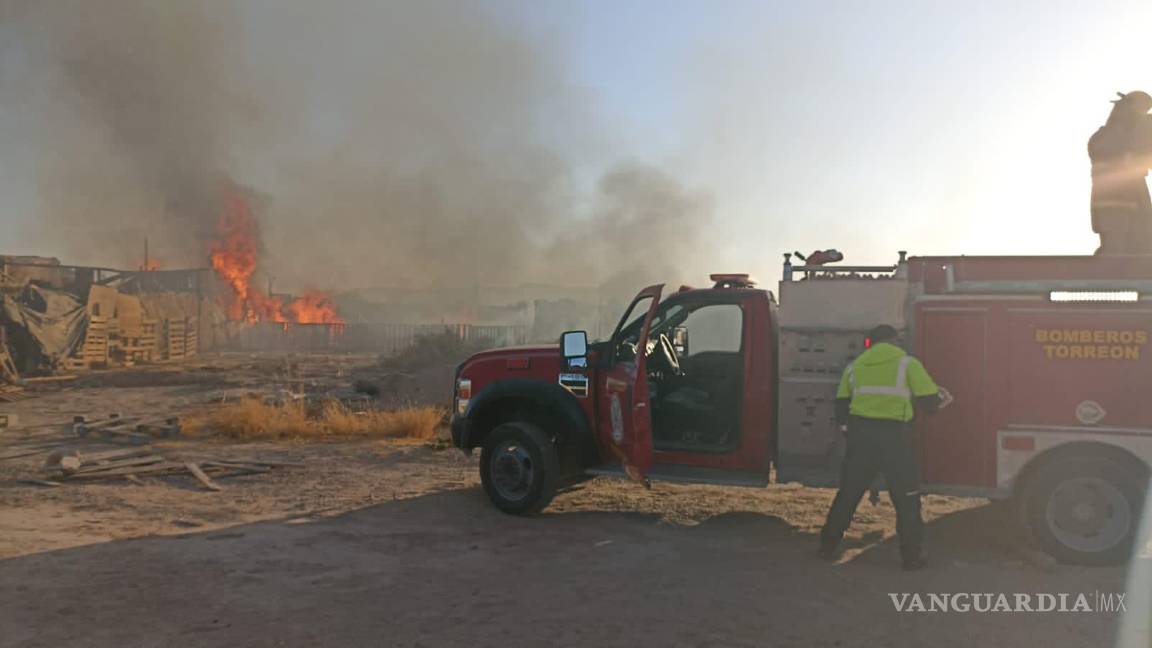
<point>524,444</point>
<point>1116,487</point>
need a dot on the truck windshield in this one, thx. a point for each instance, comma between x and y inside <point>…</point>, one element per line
<point>666,317</point>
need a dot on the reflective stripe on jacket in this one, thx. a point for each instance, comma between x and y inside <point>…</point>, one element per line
<point>882,382</point>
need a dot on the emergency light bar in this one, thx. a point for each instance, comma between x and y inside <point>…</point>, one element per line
<point>1068,296</point>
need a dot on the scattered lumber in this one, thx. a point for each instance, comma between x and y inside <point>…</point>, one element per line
<point>263,462</point>
<point>123,463</point>
<point>202,478</point>
<point>41,482</point>
<point>236,465</point>
<point>129,464</point>
<point>51,379</point>
<point>166,467</point>
<point>113,455</point>
<point>13,393</point>
<point>134,430</point>
<point>222,470</point>
<point>24,453</point>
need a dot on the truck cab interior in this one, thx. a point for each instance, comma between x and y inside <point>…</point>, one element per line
<point>695,366</point>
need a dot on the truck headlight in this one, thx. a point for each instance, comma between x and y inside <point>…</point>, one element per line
<point>463,395</point>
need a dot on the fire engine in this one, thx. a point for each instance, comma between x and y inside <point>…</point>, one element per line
<point>1048,360</point>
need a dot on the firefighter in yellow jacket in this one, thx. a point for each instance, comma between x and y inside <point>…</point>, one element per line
<point>878,397</point>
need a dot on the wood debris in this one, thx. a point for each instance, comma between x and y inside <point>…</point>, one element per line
<point>202,478</point>
<point>41,482</point>
<point>133,430</point>
<point>129,464</point>
<point>12,393</point>
<point>86,456</point>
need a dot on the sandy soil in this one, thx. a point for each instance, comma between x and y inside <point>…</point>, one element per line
<point>377,543</point>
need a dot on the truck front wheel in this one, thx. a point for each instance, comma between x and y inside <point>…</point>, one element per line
<point>1085,510</point>
<point>519,468</point>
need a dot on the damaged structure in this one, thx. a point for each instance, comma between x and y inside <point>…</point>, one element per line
<point>56,317</point>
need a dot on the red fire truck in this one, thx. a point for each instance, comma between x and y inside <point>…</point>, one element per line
<point>1048,359</point>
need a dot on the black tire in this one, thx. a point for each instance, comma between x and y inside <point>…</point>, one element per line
<point>1085,510</point>
<point>519,468</point>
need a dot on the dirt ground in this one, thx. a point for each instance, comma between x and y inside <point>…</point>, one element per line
<point>394,544</point>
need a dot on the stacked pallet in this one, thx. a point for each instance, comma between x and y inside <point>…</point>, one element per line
<point>181,339</point>
<point>175,339</point>
<point>192,338</point>
<point>139,345</point>
<point>93,352</point>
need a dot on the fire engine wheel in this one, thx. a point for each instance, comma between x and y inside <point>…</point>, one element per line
<point>1085,510</point>
<point>519,468</point>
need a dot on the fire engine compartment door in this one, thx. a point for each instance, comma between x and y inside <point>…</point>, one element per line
<point>957,445</point>
<point>624,410</point>
<point>812,360</point>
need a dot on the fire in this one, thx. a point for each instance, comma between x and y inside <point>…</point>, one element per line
<point>313,308</point>
<point>150,265</point>
<point>234,256</point>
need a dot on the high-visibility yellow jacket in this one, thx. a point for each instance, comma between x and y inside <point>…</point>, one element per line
<point>883,381</point>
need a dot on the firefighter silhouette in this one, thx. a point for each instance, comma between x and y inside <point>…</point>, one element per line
<point>1121,154</point>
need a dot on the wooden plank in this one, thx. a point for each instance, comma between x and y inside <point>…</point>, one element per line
<point>22,454</point>
<point>88,458</point>
<point>204,479</point>
<point>50,379</point>
<point>134,479</point>
<point>40,482</point>
<point>255,468</point>
<point>262,462</point>
<point>115,465</point>
<point>153,469</point>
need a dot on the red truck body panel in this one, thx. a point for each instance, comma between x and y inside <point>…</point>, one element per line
<point>1023,362</point>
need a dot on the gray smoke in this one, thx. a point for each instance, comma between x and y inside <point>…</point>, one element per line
<point>142,104</point>
<point>423,144</point>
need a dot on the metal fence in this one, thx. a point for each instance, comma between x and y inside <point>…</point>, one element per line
<point>385,339</point>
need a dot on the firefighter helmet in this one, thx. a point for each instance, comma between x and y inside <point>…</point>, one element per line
<point>1138,99</point>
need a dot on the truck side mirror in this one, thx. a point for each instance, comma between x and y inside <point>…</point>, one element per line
<point>574,348</point>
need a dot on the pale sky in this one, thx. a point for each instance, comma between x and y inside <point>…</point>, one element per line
<point>936,127</point>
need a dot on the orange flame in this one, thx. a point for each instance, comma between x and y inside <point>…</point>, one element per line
<point>234,256</point>
<point>150,265</point>
<point>313,308</point>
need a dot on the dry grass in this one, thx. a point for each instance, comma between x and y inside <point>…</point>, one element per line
<point>252,419</point>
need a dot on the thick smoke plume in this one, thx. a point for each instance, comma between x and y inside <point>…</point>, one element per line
<point>142,104</point>
<point>429,145</point>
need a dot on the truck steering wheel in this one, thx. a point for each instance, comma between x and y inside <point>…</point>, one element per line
<point>666,359</point>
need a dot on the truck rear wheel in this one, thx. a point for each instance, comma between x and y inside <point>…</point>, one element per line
<point>1085,510</point>
<point>519,468</point>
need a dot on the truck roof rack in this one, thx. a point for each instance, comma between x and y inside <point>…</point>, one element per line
<point>732,280</point>
<point>830,271</point>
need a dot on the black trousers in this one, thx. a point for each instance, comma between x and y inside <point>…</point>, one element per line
<point>876,446</point>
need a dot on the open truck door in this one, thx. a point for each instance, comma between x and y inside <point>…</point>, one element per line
<point>625,414</point>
